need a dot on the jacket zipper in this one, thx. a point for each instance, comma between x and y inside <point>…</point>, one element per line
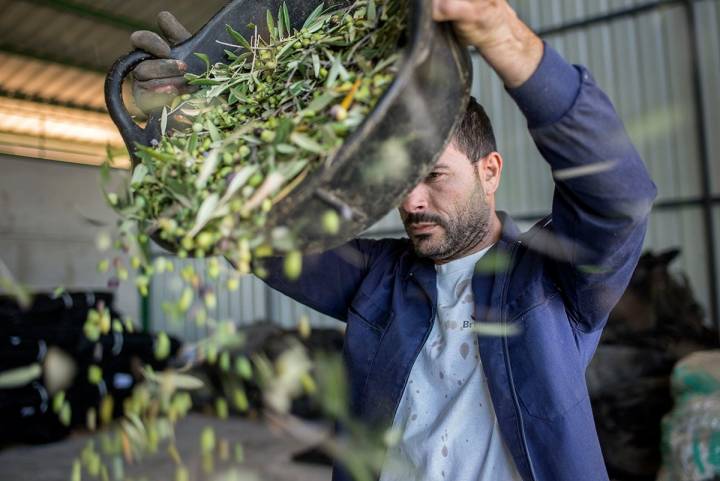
<point>516,401</point>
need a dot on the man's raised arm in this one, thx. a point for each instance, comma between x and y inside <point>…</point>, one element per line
<point>603,193</point>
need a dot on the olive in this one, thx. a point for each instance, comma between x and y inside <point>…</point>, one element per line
<point>293,265</point>
<point>331,222</point>
<point>267,136</point>
<point>256,179</point>
<point>340,129</point>
<point>244,151</point>
<point>233,284</point>
<point>204,240</point>
<point>339,112</point>
<point>236,205</point>
<point>187,243</point>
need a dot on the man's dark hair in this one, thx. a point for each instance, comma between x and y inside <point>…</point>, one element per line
<point>475,137</point>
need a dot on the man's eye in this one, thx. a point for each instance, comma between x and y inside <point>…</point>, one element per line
<point>432,176</point>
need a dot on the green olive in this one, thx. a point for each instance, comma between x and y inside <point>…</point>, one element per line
<point>267,136</point>
<point>331,222</point>
<point>188,243</point>
<point>293,265</point>
<point>95,375</point>
<point>256,179</point>
<point>204,240</point>
<point>244,151</point>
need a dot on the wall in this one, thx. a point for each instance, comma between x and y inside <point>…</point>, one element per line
<point>45,238</point>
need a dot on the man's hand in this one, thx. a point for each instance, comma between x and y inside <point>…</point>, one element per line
<point>157,82</point>
<point>504,41</point>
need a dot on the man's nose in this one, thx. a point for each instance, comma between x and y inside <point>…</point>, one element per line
<point>416,200</point>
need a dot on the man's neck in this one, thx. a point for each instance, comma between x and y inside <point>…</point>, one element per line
<point>493,235</point>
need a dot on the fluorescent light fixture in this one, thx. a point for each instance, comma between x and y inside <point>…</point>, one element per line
<point>44,131</point>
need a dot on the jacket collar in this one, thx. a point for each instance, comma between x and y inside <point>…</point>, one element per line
<point>510,232</point>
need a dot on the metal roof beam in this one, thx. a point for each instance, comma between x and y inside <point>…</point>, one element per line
<point>119,21</point>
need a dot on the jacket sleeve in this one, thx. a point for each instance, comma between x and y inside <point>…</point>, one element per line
<point>603,193</point>
<point>328,281</point>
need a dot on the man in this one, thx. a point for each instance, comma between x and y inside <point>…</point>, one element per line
<point>489,407</point>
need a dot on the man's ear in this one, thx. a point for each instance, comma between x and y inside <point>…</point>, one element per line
<point>490,171</point>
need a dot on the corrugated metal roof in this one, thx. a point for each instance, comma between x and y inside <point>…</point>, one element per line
<point>58,51</point>
<point>34,79</point>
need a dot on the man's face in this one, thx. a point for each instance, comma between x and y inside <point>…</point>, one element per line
<point>449,212</point>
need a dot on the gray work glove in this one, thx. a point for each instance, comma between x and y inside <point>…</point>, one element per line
<point>157,82</point>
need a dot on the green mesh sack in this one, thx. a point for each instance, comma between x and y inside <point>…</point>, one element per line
<point>691,431</point>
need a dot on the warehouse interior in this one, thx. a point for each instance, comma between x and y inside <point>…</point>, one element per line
<point>658,60</point>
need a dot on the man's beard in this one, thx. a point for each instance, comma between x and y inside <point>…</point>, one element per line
<point>463,232</point>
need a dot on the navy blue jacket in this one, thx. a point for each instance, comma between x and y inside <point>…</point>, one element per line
<point>556,284</point>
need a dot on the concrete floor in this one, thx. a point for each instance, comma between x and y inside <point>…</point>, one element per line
<point>267,454</point>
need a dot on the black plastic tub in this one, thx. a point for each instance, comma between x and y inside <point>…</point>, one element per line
<point>378,164</point>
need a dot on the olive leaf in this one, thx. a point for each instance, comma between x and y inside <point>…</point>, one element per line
<point>286,18</point>
<point>204,58</point>
<point>285,149</point>
<point>313,16</point>
<point>271,26</point>
<point>307,143</point>
<point>494,329</point>
<point>208,168</point>
<point>270,185</point>
<point>281,24</point>
<point>139,174</point>
<point>371,11</point>
<point>238,181</point>
<point>205,213</point>
<point>20,376</point>
<point>213,131</point>
<point>321,102</point>
<point>181,381</point>
<point>164,121</point>
<point>316,65</point>
<point>237,36</point>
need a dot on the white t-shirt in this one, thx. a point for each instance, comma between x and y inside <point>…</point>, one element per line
<point>446,417</point>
